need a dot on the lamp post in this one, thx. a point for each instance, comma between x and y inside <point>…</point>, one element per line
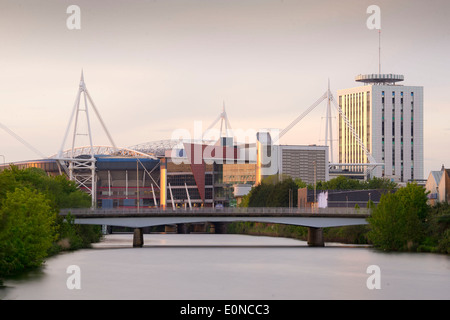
<point>346,197</point>
<point>315,182</point>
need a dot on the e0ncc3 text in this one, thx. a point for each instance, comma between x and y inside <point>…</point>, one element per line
<point>228,309</point>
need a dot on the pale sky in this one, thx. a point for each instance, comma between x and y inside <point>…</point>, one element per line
<point>152,67</point>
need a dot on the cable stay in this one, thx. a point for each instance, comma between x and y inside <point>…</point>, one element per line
<point>300,117</point>
<point>18,138</point>
<point>330,98</point>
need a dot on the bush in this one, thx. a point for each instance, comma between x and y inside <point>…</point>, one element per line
<point>30,227</point>
<point>397,223</point>
<point>29,230</point>
<point>444,242</point>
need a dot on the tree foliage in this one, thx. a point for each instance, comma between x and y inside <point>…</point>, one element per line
<point>30,227</point>
<point>273,193</point>
<point>438,229</point>
<point>28,232</point>
<point>345,183</point>
<point>398,222</point>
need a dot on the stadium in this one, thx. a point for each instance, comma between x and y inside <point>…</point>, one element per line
<point>180,173</point>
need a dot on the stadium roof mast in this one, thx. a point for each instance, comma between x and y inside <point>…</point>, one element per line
<point>82,169</point>
<point>223,118</point>
<point>75,112</point>
<point>379,51</point>
<point>331,99</point>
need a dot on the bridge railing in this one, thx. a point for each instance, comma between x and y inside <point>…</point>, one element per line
<point>218,211</point>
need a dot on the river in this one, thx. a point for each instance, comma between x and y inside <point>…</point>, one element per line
<point>236,267</point>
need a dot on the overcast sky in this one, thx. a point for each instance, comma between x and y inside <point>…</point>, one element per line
<point>152,67</point>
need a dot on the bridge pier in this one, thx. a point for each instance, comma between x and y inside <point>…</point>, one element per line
<point>315,237</point>
<point>170,228</point>
<point>138,238</point>
<point>219,227</point>
<point>183,228</point>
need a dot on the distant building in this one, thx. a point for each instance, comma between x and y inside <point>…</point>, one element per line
<point>389,120</point>
<point>438,185</point>
<point>308,163</point>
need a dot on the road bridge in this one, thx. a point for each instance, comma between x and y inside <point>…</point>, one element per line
<point>138,218</point>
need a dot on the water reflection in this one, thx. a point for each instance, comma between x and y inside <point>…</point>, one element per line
<point>207,266</point>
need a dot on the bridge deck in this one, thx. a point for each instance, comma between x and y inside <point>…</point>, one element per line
<point>332,217</point>
<point>314,219</point>
<point>225,212</point>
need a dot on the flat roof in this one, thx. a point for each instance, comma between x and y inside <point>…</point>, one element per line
<point>379,78</point>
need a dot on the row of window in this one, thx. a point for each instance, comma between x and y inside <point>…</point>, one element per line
<point>359,116</point>
<point>401,132</point>
<point>181,179</point>
<point>393,94</point>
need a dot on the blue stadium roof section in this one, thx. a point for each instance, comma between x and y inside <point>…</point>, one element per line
<point>119,163</point>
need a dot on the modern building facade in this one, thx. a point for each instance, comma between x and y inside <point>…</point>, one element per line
<point>308,163</point>
<point>388,119</point>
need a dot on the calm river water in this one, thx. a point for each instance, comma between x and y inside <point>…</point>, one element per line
<point>235,267</point>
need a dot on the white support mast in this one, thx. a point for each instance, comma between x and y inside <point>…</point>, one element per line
<point>82,169</point>
<point>189,198</point>
<point>224,122</point>
<point>329,126</point>
<point>171,197</point>
<point>154,197</point>
<point>328,133</point>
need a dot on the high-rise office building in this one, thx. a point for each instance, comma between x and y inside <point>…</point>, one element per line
<point>388,118</point>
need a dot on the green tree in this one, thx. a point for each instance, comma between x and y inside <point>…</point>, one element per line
<point>345,183</point>
<point>397,223</point>
<point>258,195</point>
<point>62,192</point>
<point>438,229</point>
<point>273,193</point>
<point>379,183</point>
<point>29,203</point>
<point>29,229</point>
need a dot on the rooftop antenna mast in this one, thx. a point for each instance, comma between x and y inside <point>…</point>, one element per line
<point>379,51</point>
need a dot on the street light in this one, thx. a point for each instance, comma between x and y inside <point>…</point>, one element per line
<point>315,182</point>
